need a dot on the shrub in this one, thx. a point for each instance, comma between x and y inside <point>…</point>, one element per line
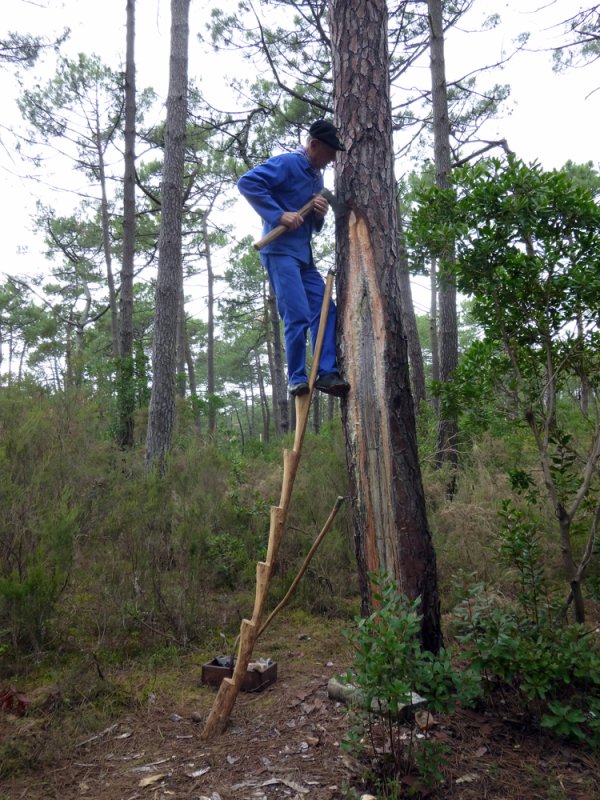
<point>389,669</point>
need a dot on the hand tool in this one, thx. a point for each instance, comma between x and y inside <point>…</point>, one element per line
<point>304,211</point>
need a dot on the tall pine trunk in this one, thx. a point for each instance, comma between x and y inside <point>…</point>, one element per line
<point>390,522</point>
<point>409,323</point>
<point>125,366</point>
<point>447,446</point>
<point>433,335</point>
<point>162,402</point>
<point>210,332</point>
<point>278,382</point>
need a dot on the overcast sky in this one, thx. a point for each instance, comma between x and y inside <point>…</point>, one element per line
<point>552,118</point>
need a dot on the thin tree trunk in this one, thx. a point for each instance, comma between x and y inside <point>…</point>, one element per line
<point>448,426</point>
<point>280,396</point>
<point>409,323</point>
<point>162,403</point>
<point>125,365</point>
<point>331,407</point>
<point>585,389</point>
<point>390,523</point>
<point>181,344</point>
<point>112,295</point>
<point>270,356</point>
<point>316,412</point>
<point>264,402</point>
<point>433,335</point>
<point>210,346</point>
<point>189,360</point>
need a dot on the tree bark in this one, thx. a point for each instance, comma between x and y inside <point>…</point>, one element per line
<point>162,403</point>
<point>448,426</point>
<point>390,523</point>
<point>433,335</point>
<point>181,346</point>
<point>264,401</point>
<point>280,396</point>
<point>191,370</point>
<point>316,412</point>
<point>409,323</point>
<point>210,333</point>
<point>125,367</point>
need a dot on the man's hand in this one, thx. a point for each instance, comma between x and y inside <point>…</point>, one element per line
<point>321,205</point>
<point>291,220</point>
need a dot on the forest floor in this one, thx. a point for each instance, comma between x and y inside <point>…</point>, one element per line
<point>284,742</point>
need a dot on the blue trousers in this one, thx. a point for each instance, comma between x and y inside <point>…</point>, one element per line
<point>299,289</point>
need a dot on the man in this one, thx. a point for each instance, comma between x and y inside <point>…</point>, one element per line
<point>276,190</point>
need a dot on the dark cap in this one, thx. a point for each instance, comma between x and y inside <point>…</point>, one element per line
<point>325,132</point>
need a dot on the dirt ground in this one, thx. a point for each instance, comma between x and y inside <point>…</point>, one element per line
<point>284,742</point>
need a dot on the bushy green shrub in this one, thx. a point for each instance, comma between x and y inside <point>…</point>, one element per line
<point>35,566</point>
<point>390,668</point>
<point>526,648</point>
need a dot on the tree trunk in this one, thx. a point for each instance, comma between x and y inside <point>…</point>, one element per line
<point>180,347</point>
<point>331,408</point>
<point>448,426</point>
<point>210,345</point>
<point>112,295</point>
<point>586,389</point>
<point>280,396</point>
<point>191,370</point>
<point>391,530</point>
<point>125,366</point>
<point>316,412</point>
<point>433,335</point>
<point>162,403</point>
<point>409,323</point>
<point>264,401</point>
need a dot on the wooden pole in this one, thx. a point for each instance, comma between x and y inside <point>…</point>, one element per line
<point>309,556</point>
<point>250,629</point>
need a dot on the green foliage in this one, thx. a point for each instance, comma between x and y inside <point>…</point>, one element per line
<point>528,253</point>
<point>581,46</point>
<point>41,518</point>
<point>553,668</point>
<point>520,549</point>
<point>389,668</point>
<point>228,558</point>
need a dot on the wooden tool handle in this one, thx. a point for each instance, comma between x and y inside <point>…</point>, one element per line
<point>276,232</point>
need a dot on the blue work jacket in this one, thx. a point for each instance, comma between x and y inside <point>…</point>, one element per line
<point>284,183</point>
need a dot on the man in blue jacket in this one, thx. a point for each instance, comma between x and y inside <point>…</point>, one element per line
<point>276,190</point>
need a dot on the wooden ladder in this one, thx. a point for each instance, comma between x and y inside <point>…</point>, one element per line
<point>251,629</point>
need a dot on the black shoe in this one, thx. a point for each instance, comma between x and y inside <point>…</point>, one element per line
<point>298,389</point>
<point>332,383</point>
